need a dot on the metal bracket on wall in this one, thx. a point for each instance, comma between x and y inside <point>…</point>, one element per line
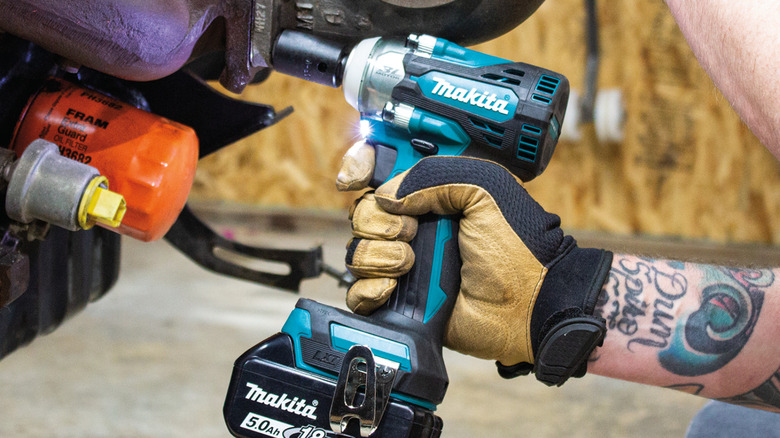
<point>217,119</point>
<point>201,244</point>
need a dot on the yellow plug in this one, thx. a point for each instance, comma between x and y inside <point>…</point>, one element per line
<point>101,206</point>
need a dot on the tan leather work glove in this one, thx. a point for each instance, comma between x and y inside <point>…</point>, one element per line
<point>527,291</point>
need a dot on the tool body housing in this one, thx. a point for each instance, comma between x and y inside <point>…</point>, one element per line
<point>417,98</point>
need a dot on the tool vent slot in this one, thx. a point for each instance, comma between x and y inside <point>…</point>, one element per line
<point>493,141</point>
<point>542,99</point>
<point>501,79</point>
<point>527,148</point>
<point>547,84</point>
<point>532,129</point>
<point>515,72</point>
<point>488,127</point>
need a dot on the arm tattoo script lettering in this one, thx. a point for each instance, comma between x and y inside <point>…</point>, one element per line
<point>639,298</point>
<point>632,280</point>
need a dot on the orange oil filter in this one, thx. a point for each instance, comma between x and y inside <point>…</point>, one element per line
<point>148,159</point>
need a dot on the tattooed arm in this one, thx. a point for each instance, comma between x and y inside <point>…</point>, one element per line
<point>708,330</point>
<point>525,286</point>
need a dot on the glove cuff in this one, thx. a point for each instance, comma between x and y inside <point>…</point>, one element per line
<point>574,281</point>
<point>564,331</point>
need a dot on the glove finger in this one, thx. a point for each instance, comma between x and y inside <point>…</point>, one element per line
<point>357,167</point>
<point>378,258</point>
<point>369,221</point>
<point>369,294</point>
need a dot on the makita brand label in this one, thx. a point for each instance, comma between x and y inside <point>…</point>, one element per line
<point>478,98</point>
<point>283,402</point>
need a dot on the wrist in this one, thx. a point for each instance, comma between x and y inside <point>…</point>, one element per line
<point>573,281</point>
<point>563,328</point>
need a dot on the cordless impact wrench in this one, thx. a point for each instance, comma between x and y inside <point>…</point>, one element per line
<point>419,97</point>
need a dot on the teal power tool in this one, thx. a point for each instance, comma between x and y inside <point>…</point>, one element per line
<point>333,373</point>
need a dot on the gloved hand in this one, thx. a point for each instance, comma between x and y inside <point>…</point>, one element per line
<point>527,291</point>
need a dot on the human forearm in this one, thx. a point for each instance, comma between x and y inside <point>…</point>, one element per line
<point>702,329</point>
<point>738,44</point>
<point>525,286</point>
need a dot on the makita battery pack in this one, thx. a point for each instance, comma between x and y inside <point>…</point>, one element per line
<point>269,397</point>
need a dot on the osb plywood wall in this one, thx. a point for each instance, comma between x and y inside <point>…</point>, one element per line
<point>687,166</point>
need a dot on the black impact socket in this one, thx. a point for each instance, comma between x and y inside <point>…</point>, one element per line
<point>309,57</point>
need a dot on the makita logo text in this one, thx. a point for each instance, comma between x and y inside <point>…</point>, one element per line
<point>293,405</point>
<point>480,99</point>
